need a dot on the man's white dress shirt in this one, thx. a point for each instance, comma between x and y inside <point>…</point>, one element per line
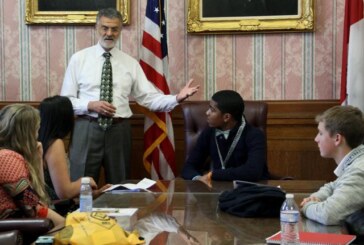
<point>83,78</point>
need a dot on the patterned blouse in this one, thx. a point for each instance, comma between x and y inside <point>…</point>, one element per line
<point>17,198</point>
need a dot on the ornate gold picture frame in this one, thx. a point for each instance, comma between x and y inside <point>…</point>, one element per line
<point>236,16</point>
<point>71,11</point>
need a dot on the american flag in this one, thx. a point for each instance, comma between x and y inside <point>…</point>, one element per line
<point>159,151</point>
<point>352,75</point>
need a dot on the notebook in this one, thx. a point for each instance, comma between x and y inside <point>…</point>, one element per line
<point>316,238</point>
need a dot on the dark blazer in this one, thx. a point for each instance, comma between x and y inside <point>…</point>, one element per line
<point>247,162</point>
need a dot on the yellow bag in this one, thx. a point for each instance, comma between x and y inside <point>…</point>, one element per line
<point>94,229</point>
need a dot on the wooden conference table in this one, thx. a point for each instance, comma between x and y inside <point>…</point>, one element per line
<point>194,205</point>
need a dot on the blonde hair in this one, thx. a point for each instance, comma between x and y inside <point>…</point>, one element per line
<point>19,124</point>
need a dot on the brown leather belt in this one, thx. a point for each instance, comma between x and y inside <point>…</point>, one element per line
<point>115,120</point>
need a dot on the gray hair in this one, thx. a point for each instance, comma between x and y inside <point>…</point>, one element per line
<point>110,13</point>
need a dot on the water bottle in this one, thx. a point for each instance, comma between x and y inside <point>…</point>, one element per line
<point>85,195</point>
<point>290,216</point>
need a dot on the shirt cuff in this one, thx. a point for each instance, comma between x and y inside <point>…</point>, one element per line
<point>197,177</point>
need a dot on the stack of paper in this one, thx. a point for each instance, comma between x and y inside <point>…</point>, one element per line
<point>125,217</point>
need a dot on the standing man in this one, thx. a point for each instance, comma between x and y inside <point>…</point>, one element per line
<point>99,81</point>
<point>340,137</point>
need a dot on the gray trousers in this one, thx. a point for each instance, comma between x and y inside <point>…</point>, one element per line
<point>92,147</point>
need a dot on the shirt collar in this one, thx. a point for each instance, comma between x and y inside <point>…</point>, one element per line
<point>226,133</point>
<point>100,50</point>
<point>348,159</point>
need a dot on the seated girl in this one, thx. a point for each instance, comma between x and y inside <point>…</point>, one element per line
<point>22,192</point>
<point>56,125</point>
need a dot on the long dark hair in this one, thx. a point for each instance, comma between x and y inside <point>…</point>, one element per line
<point>56,120</point>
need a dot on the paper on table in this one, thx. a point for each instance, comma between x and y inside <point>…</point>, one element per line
<point>126,217</point>
<point>118,115</point>
<point>144,184</point>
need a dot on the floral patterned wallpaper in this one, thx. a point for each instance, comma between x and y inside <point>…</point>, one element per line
<point>276,66</point>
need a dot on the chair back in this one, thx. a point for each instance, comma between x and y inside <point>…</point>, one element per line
<point>194,114</point>
<point>29,229</point>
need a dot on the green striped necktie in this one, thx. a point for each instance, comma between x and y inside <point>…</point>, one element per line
<point>106,90</point>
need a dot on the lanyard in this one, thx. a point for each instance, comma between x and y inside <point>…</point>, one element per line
<point>233,145</point>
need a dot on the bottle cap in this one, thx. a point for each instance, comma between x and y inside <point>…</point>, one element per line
<point>85,180</point>
<point>289,195</point>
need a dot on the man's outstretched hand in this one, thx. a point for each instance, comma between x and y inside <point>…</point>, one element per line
<point>187,91</point>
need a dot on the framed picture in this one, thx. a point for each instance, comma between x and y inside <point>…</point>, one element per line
<point>230,16</point>
<point>71,11</point>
